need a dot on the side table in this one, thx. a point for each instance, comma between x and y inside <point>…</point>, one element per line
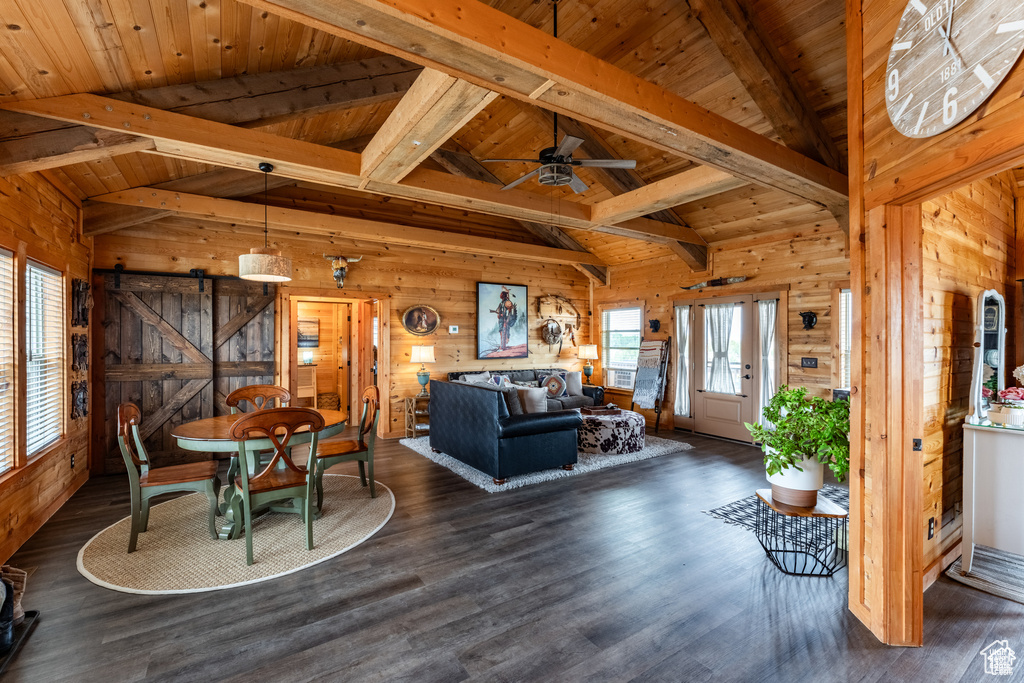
<point>802,541</point>
<point>417,416</point>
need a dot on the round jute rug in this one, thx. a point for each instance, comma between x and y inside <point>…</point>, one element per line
<point>177,554</point>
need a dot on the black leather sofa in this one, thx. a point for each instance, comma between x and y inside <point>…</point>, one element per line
<point>472,424</point>
<point>592,395</point>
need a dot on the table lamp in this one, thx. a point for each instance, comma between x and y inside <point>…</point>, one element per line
<point>421,355</point>
<point>588,352</point>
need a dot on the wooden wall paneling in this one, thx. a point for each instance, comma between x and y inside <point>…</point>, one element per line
<point>38,220</point>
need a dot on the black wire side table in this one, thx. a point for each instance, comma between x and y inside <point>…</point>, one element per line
<point>802,541</point>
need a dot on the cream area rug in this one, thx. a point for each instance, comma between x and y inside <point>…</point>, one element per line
<point>653,447</point>
<point>993,571</point>
<point>177,554</point>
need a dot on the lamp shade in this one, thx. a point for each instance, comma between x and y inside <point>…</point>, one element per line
<point>264,265</point>
<point>587,352</point>
<point>422,354</point>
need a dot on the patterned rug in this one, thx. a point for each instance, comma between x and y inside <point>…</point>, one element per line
<point>993,571</point>
<point>743,512</point>
<point>177,554</point>
<point>654,447</point>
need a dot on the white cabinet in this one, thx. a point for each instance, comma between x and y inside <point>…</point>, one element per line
<point>993,476</point>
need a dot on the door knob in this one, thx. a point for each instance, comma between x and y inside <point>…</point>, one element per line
<point>746,376</point>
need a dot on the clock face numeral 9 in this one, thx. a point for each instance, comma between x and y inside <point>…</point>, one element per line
<point>947,58</point>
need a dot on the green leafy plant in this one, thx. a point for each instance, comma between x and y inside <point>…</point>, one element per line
<point>800,427</point>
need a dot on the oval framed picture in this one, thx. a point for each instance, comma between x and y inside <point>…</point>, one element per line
<point>421,320</point>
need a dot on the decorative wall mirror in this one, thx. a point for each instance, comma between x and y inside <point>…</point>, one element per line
<point>989,353</point>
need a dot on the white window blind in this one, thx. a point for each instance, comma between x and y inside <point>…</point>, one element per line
<point>846,336</point>
<point>44,351</point>
<point>620,345</point>
<point>7,383</point>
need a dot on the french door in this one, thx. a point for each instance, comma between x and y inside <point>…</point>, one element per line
<point>727,362</point>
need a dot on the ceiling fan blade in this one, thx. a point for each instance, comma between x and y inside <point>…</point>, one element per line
<point>521,179</point>
<point>605,163</point>
<point>532,161</point>
<point>577,185</point>
<point>568,145</point>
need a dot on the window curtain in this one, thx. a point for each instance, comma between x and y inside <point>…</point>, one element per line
<point>682,407</point>
<point>766,315</point>
<point>719,328</point>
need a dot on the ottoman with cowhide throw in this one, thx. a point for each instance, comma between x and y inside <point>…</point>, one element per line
<point>611,434</point>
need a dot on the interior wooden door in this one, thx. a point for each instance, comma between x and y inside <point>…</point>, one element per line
<point>723,354</point>
<point>158,351</point>
<point>243,336</point>
<point>176,346</point>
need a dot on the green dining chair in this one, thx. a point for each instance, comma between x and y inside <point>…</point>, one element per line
<point>280,479</point>
<point>331,452</point>
<point>260,397</point>
<point>148,482</point>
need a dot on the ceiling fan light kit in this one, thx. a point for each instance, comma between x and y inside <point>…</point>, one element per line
<point>557,162</point>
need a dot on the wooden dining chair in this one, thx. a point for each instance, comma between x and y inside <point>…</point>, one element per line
<point>260,396</point>
<point>332,452</point>
<point>147,481</point>
<point>280,479</point>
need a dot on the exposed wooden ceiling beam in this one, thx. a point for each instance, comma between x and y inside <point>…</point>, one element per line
<point>435,108</point>
<point>471,40</point>
<point>232,211</point>
<point>734,27</point>
<point>100,218</point>
<point>215,143</point>
<point>462,164</point>
<point>29,143</point>
<point>682,188</point>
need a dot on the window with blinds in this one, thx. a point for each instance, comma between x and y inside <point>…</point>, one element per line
<point>44,355</point>
<point>620,345</point>
<point>7,375</point>
<point>845,336</point>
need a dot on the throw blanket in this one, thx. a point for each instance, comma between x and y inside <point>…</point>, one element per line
<point>650,377</point>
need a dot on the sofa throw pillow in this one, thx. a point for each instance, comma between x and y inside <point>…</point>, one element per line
<point>555,384</point>
<point>527,383</point>
<point>512,402</point>
<point>500,381</point>
<point>477,377</point>
<point>574,383</point>
<point>534,399</point>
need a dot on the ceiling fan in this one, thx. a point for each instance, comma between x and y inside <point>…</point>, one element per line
<point>557,162</point>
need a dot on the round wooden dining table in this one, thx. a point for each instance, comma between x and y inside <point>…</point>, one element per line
<point>213,435</point>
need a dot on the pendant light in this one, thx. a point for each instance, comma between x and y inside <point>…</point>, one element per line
<point>264,264</point>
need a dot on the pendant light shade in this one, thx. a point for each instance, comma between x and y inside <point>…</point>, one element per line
<point>263,264</point>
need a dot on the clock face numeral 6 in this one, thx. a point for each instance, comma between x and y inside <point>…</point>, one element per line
<point>947,58</point>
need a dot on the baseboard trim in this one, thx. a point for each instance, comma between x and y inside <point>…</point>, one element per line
<point>934,570</point>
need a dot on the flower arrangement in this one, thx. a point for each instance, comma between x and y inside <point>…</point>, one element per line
<point>1011,394</point>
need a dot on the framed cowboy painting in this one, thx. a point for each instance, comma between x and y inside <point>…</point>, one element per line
<point>501,321</point>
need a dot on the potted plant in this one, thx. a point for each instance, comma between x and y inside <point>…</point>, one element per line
<point>801,436</point>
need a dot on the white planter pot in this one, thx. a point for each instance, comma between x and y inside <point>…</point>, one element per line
<point>800,489</point>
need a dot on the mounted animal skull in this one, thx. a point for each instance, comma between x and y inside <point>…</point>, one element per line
<point>340,266</point>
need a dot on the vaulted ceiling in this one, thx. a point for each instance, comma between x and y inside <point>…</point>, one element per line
<point>774,67</point>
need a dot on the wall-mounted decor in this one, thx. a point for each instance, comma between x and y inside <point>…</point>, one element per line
<point>810,319</point>
<point>501,321</point>
<point>79,352</point>
<point>81,302</point>
<point>421,320</point>
<point>719,282</point>
<point>309,333</point>
<point>655,325</point>
<point>339,267</point>
<point>79,399</point>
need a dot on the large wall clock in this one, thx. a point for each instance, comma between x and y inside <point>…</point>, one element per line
<point>948,56</point>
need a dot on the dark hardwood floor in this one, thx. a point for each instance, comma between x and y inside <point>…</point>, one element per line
<point>614,575</point>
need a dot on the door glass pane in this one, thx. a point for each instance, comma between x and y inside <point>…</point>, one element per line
<point>723,331</point>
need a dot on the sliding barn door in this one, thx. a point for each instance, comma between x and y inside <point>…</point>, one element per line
<point>175,347</point>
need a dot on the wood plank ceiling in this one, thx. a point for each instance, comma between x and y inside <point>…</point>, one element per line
<point>51,48</point>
